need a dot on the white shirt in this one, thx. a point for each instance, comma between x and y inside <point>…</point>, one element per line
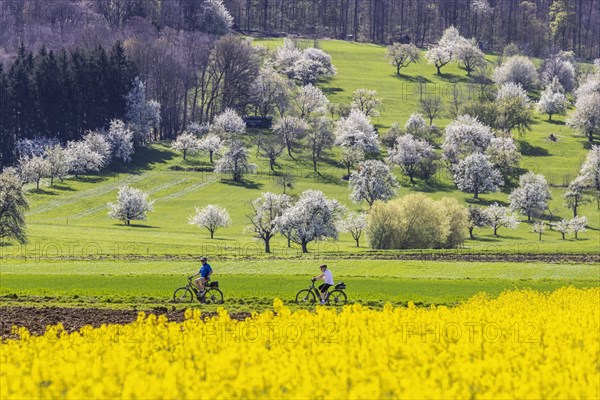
<point>328,277</point>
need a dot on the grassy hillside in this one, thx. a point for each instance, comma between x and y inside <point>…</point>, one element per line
<point>71,217</point>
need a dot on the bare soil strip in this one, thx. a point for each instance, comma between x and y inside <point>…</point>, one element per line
<point>36,319</point>
<point>450,255</point>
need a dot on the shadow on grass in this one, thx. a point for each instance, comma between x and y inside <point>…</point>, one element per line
<point>527,149</point>
<point>410,78</point>
<point>331,90</point>
<point>43,191</point>
<point>143,159</point>
<point>484,202</point>
<point>91,179</point>
<point>243,184</point>
<point>453,78</point>
<point>62,187</point>
<point>555,122</point>
<point>141,226</point>
<point>330,178</point>
<point>431,186</point>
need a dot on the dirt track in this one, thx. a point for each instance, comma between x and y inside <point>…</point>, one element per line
<point>36,319</point>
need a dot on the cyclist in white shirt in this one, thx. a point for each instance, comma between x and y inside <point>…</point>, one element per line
<point>327,276</point>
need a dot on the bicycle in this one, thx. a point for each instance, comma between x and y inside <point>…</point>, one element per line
<point>186,294</point>
<point>310,295</point>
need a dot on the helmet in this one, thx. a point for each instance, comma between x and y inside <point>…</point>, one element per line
<point>323,266</point>
<point>203,259</point>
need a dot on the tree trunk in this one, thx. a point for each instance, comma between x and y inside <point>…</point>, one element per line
<point>51,181</point>
<point>212,232</point>
<point>549,117</point>
<point>210,154</point>
<point>439,72</point>
<point>304,248</point>
<point>471,233</point>
<point>37,184</point>
<point>184,154</point>
<point>357,244</point>
<point>495,231</point>
<point>563,235</point>
<point>540,236</point>
<point>268,245</point>
<point>476,196</point>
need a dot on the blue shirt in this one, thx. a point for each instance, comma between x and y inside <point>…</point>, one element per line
<point>205,270</point>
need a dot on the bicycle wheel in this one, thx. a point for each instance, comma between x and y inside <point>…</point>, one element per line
<point>183,295</point>
<point>305,297</point>
<point>337,297</point>
<point>213,296</point>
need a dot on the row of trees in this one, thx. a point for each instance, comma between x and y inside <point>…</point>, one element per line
<point>61,95</point>
<point>533,24</point>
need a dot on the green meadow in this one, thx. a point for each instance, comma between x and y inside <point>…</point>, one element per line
<point>77,256</point>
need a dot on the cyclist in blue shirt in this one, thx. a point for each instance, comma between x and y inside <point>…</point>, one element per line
<point>204,273</point>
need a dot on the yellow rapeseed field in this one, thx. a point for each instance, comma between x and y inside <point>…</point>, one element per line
<point>523,344</point>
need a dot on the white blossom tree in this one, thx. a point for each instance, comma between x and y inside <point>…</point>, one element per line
<point>517,69</point>
<point>501,217</point>
<point>229,124</point>
<point>477,219</point>
<point>82,159</point>
<point>476,174</point>
<point>197,129</point>
<point>270,92</point>
<point>132,204</point>
<point>215,18</point>
<point>141,114</point>
<point>319,137</point>
<point>187,143</point>
<point>539,227</point>
<point>532,195</point>
<point>313,217</point>
<point>563,226</point>
<point>211,217</point>
<point>510,90</point>
<point>265,210</point>
<point>402,55</point>
<point>120,138</point>
<point>25,148</point>
<point>59,162</point>
<point>560,68</point>
<point>211,144</point>
<point>415,125</point>
<point>552,103</point>
<point>355,224</point>
<point>372,181</point>
<point>586,117</point>
<point>575,196</point>
<point>410,154</point>
<point>286,57</point>
<point>470,56</point>
<point>33,169</point>
<point>98,142</point>
<point>291,130</point>
<point>366,101</point>
<point>446,49</point>
<point>310,100</point>
<point>464,136</point>
<point>356,131</point>
<point>304,66</point>
<point>589,175</point>
<point>439,56</point>
<point>504,155</point>
<point>578,224</point>
<point>235,162</point>
<point>350,156</point>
